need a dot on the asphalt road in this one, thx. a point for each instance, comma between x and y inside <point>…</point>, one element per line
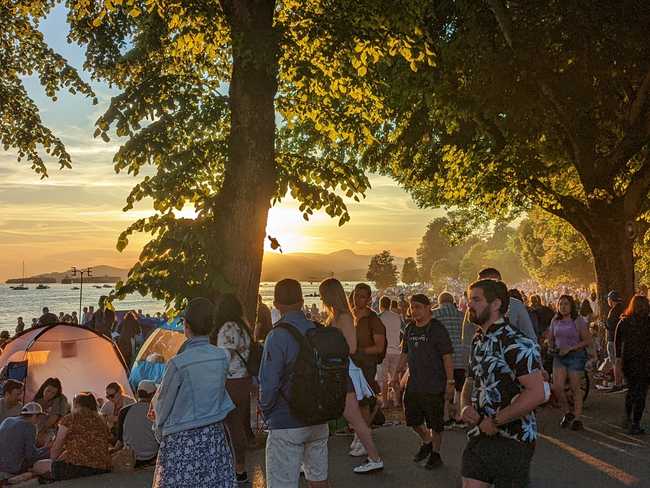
<point>600,456</point>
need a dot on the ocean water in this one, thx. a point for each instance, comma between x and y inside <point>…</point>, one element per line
<point>62,298</point>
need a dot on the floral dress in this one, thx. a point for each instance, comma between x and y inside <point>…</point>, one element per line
<point>195,458</point>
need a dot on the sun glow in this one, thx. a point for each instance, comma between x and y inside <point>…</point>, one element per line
<point>288,227</point>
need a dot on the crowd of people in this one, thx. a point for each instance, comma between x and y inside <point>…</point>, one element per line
<point>482,362</point>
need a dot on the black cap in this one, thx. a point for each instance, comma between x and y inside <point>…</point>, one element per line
<point>198,313</point>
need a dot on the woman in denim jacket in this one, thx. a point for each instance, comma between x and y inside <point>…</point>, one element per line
<point>191,406</point>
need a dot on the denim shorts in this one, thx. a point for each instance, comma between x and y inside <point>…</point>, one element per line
<point>573,362</point>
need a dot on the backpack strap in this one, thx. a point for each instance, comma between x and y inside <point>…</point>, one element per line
<point>293,331</point>
<point>302,342</point>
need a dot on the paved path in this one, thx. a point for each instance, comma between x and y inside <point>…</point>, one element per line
<point>600,456</point>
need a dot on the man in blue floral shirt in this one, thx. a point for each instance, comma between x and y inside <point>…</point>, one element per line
<point>503,388</point>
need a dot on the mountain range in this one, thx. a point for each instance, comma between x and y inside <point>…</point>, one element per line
<point>345,265</point>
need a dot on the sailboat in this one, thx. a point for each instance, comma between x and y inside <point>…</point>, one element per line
<point>22,284</point>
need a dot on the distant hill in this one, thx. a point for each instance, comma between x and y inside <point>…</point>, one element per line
<point>110,273</point>
<point>345,265</point>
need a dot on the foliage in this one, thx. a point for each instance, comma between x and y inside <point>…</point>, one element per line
<point>496,252</point>
<point>171,62</point>
<point>410,273</point>
<point>23,53</point>
<point>382,271</point>
<point>436,246</point>
<point>441,270</point>
<point>553,252</point>
<point>529,104</point>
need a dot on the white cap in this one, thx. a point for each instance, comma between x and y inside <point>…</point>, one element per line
<point>147,386</point>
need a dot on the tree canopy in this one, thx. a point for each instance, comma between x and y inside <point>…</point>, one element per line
<point>544,104</point>
<point>381,270</point>
<point>23,52</point>
<point>410,273</point>
<point>201,85</point>
<point>552,252</point>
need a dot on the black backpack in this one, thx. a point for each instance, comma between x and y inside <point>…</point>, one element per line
<point>254,354</point>
<point>319,374</point>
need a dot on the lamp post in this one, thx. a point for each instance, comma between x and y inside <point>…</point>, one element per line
<point>88,272</point>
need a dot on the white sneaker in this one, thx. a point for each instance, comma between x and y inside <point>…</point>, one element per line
<point>355,442</point>
<point>369,466</point>
<point>358,451</point>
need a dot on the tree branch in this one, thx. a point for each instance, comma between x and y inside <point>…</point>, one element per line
<point>505,22</point>
<point>636,109</point>
<point>637,191</point>
<point>583,152</point>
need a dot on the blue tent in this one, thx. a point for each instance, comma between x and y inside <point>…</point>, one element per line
<point>161,345</point>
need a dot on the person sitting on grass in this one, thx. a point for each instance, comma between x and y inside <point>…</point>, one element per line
<point>18,451</point>
<point>10,403</point>
<point>115,401</point>
<point>135,428</point>
<point>55,405</point>
<point>82,444</point>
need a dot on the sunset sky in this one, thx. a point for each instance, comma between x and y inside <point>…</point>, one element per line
<point>74,216</point>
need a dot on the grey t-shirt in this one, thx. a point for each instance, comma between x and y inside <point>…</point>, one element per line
<point>136,431</point>
<point>6,411</point>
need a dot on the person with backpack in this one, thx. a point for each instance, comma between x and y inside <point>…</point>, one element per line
<point>232,332</point>
<point>340,316</point>
<point>299,395</point>
<point>569,339</point>
<point>371,343</point>
<point>427,350</point>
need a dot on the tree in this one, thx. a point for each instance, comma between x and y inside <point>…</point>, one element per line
<point>23,52</point>
<point>553,252</point>
<point>301,61</point>
<point>382,271</point>
<point>495,252</point>
<point>410,273</point>
<point>530,105</point>
<point>436,245</point>
<point>441,270</point>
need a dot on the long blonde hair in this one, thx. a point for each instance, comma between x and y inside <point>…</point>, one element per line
<point>334,298</point>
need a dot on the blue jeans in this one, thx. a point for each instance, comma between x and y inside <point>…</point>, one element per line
<point>573,362</point>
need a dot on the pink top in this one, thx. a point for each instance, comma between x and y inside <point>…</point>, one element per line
<point>566,332</point>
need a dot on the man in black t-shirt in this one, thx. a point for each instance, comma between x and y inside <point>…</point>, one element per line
<point>427,349</point>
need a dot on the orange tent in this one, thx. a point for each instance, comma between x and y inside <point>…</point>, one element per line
<point>81,358</point>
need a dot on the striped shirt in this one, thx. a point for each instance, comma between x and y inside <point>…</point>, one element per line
<point>452,319</point>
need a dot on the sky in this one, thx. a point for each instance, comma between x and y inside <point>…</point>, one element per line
<point>73,218</point>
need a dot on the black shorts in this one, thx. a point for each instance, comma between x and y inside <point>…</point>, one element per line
<point>64,471</point>
<point>369,373</point>
<point>421,407</point>
<point>459,379</point>
<point>498,461</point>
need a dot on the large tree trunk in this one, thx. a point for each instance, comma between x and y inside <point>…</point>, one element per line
<point>250,176</point>
<point>613,256</point>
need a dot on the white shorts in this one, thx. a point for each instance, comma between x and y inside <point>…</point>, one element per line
<point>288,449</point>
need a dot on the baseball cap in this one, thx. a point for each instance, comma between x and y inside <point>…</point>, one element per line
<point>32,408</point>
<point>147,386</point>
<point>198,311</point>
<point>614,296</point>
<point>421,298</point>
